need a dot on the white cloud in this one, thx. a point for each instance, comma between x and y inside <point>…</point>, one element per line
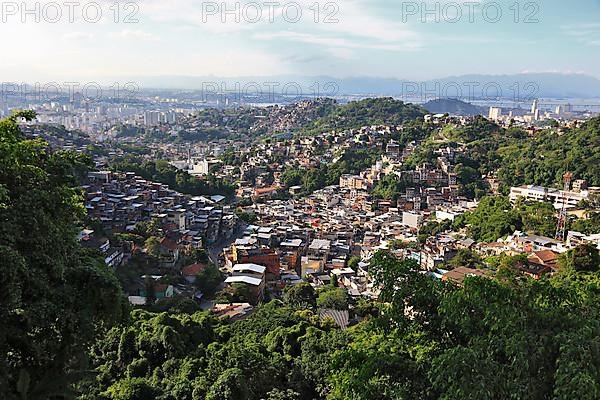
<point>135,34</point>
<point>354,20</point>
<point>586,33</point>
<point>78,36</point>
<point>334,42</point>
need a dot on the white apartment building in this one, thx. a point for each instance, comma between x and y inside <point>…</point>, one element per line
<point>555,196</point>
<point>495,113</point>
<point>412,219</point>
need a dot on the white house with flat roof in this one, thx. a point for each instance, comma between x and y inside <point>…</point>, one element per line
<point>253,275</point>
<point>555,196</point>
<point>253,269</point>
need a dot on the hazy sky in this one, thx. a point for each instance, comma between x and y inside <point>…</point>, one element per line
<point>381,38</point>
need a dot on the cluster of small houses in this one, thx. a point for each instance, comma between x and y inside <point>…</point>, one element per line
<point>119,202</point>
<point>312,238</point>
<point>267,261</point>
<point>440,181</point>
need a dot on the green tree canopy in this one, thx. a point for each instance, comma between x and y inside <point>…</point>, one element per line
<point>55,297</point>
<point>466,258</point>
<point>209,279</point>
<point>300,296</point>
<point>583,258</point>
<point>332,297</point>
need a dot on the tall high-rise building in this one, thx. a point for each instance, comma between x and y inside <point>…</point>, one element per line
<point>171,117</point>
<point>564,108</point>
<point>151,118</point>
<point>495,113</point>
<point>534,106</point>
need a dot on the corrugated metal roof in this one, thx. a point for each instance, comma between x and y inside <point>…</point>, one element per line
<point>244,279</point>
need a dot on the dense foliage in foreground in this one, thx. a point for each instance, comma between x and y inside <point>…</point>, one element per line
<point>504,338</point>
<point>54,296</point>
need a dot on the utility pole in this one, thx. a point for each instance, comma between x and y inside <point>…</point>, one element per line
<point>562,219</point>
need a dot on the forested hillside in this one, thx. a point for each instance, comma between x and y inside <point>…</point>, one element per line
<point>453,107</point>
<point>544,158</point>
<point>368,112</point>
<point>491,339</point>
<point>519,158</point>
<point>311,117</point>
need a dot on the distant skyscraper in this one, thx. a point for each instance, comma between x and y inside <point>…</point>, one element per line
<point>151,118</point>
<point>535,111</point>
<point>534,107</point>
<point>171,117</point>
<point>564,108</point>
<point>495,113</point>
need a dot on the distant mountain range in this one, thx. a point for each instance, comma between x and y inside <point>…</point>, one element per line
<point>454,107</point>
<point>467,87</point>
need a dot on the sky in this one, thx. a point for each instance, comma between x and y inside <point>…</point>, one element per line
<point>346,38</point>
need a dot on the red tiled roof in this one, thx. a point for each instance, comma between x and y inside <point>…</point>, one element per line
<point>193,270</point>
<point>160,287</point>
<point>458,275</point>
<point>546,255</point>
<point>265,190</point>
